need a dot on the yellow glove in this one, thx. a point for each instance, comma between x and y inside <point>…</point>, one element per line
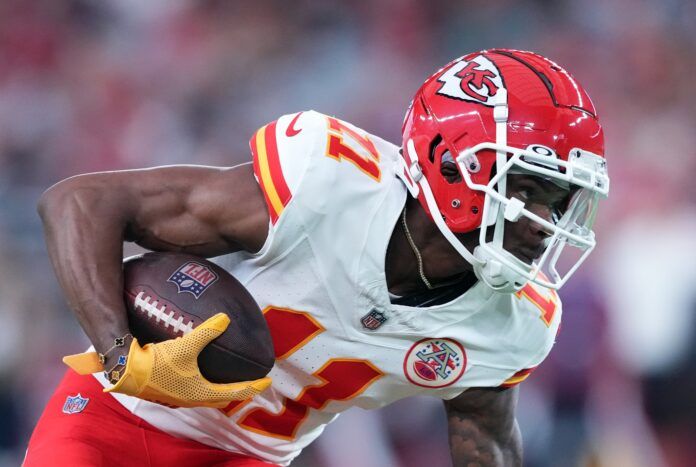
<point>167,372</point>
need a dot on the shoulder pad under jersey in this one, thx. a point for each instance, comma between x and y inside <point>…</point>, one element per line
<point>281,152</point>
<point>319,166</point>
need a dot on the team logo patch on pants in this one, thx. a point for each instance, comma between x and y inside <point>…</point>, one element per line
<point>75,404</point>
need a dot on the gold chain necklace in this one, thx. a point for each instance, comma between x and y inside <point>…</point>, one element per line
<point>419,258</point>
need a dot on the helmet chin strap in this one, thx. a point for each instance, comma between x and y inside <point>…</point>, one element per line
<point>495,274</point>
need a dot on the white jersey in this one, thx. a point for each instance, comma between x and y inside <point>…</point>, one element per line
<point>334,199</point>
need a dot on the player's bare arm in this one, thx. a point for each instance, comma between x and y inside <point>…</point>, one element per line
<point>201,210</point>
<point>483,430</point>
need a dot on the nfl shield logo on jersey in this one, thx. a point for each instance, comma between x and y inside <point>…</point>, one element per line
<point>75,404</point>
<point>193,278</point>
<point>373,320</point>
<point>435,363</point>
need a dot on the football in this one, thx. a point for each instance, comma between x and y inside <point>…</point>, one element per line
<point>168,294</point>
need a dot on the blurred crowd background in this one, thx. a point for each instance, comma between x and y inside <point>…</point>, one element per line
<point>89,85</point>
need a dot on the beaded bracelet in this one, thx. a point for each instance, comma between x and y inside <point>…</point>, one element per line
<point>113,375</point>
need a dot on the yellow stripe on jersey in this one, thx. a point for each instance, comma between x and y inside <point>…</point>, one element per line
<point>518,377</point>
<point>265,170</point>
<point>268,170</point>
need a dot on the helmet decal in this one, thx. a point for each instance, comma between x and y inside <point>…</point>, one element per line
<point>477,80</point>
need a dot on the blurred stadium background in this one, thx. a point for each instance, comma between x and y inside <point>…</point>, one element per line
<point>90,85</point>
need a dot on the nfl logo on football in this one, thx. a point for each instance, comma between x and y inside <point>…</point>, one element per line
<point>193,278</point>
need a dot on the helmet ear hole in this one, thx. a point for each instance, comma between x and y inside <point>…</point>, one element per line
<point>449,169</point>
<point>448,166</point>
<point>450,172</point>
<point>433,147</point>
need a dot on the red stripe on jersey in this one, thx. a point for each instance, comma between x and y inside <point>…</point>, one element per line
<point>517,378</point>
<point>268,170</point>
<point>274,165</point>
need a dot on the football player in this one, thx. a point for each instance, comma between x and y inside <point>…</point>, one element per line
<point>383,271</point>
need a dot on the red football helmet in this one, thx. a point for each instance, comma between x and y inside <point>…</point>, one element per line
<point>493,113</point>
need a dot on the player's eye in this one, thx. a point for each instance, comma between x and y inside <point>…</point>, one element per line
<point>529,194</point>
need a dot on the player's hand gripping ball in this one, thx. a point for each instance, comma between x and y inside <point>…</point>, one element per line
<point>205,340</point>
<point>167,295</point>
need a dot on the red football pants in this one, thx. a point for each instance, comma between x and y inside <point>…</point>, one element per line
<point>105,433</point>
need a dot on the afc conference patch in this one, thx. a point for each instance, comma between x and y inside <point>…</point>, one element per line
<point>435,362</point>
<point>193,278</point>
<point>75,404</point>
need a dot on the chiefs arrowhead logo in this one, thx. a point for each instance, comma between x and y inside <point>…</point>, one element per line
<point>477,80</point>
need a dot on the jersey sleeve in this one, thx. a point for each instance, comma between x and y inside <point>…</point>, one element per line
<point>317,172</point>
<point>546,304</point>
<point>517,378</point>
<point>282,153</point>
<point>279,165</point>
